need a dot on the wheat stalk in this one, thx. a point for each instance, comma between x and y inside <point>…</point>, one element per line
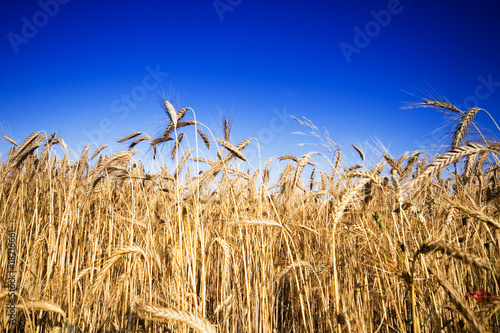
<point>457,300</point>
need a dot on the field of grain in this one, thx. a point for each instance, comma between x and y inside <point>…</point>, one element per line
<point>103,245</point>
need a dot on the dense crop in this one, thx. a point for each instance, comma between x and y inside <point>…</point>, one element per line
<point>102,244</point>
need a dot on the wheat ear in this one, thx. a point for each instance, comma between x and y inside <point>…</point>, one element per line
<point>205,139</point>
<point>101,275</point>
<point>130,136</point>
<point>194,321</point>
<point>182,161</point>
<point>172,114</point>
<point>41,305</point>
<point>360,152</point>
<point>436,246</point>
<point>176,145</point>
<point>450,157</point>
<point>442,105</point>
<point>229,146</point>
<point>462,126</point>
<point>10,140</point>
<point>98,151</point>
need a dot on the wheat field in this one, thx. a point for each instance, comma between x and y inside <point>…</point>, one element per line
<point>102,244</point>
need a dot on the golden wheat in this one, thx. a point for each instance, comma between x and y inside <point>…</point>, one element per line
<point>358,249</point>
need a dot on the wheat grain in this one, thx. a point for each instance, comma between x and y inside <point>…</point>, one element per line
<point>300,167</point>
<point>373,177</point>
<point>13,156</point>
<point>266,171</point>
<point>475,213</point>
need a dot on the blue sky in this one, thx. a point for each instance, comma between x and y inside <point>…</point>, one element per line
<point>69,66</point>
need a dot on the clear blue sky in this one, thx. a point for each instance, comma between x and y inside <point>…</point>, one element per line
<point>343,64</point>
